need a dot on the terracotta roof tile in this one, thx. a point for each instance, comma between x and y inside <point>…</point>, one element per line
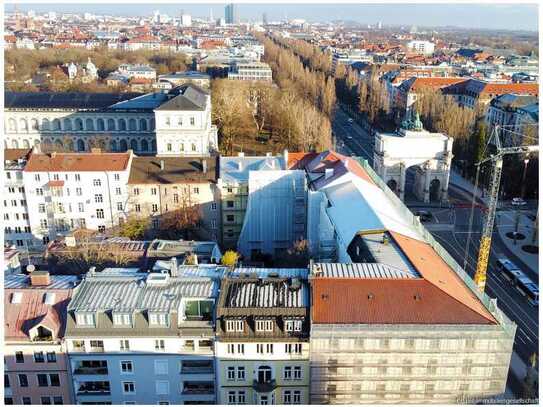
<point>78,162</point>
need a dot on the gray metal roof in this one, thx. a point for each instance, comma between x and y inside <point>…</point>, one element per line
<point>186,97</point>
<point>265,293</point>
<point>15,281</point>
<point>236,169</point>
<point>360,270</point>
<point>137,291</point>
<point>60,100</point>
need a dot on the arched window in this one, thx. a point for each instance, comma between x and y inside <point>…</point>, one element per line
<point>67,123</point>
<point>100,125</point>
<point>78,124</point>
<point>111,125</point>
<point>34,124</point>
<point>12,125</point>
<point>124,146</point>
<point>264,374</point>
<point>58,143</point>
<point>143,125</point>
<point>144,145</point>
<point>134,145</point>
<point>26,143</point>
<point>23,125</point>
<point>113,145</point>
<point>14,144</point>
<point>80,145</point>
<point>56,125</point>
<point>45,125</point>
<point>89,125</point>
<point>132,125</point>
<point>122,125</point>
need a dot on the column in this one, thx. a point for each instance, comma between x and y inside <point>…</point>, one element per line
<point>426,190</point>
<point>401,186</point>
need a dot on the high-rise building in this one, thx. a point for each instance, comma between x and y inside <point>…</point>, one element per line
<point>230,14</point>
<point>264,18</point>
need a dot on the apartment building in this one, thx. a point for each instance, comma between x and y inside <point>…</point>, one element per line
<point>36,366</point>
<point>233,185</point>
<point>181,78</point>
<point>70,191</point>
<point>17,230</point>
<point>250,71</point>
<point>142,338</point>
<point>423,47</point>
<point>262,347</point>
<point>159,186</point>
<point>513,110</point>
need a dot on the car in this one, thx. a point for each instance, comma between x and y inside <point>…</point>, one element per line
<point>424,216</point>
<point>518,202</point>
<point>349,137</point>
<point>349,120</point>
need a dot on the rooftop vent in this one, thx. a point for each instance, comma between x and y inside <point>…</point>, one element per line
<point>157,278</point>
<point>295,284</point>
<point>417,297</point>
<point>40,278</point>
<point>317,270</point>
<point>371,296</point>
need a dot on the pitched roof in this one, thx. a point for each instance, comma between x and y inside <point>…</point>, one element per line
<point>14,154</point>
<point>62,100</point>
<point>188,97</point>
<point>147,170</point>
<point>78,162</point>
<point>416,83</point>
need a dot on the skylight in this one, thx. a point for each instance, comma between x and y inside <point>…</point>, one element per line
<point>16,298</point>
<point>49,298</point>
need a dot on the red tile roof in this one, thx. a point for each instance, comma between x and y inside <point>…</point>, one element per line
<point>14,154</point>
<point>78,162</point>
<point>55,184</point>
<point>416,83</point>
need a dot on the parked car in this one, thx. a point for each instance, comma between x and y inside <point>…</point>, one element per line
<point>349,120</point>
<point>518,202</point>
<point>424,216</point>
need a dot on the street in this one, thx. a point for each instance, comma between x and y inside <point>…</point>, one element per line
<point>450,227</point>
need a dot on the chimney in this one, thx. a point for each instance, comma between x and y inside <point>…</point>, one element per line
<point>39,278</point>
<point>285,157</point>
<point>328,173</point>
<point>162,165</point>
<point>174,267</point>
<point>204,166</point>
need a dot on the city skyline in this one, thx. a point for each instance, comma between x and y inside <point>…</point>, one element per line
<point>483,16</point>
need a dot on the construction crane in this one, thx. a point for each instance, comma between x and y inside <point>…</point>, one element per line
<point>488,226</point>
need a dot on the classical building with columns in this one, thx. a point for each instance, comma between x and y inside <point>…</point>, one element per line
<point>174,122</point>
<point>414,153</point>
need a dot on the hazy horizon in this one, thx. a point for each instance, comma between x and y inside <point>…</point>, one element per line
<point>468,16</point>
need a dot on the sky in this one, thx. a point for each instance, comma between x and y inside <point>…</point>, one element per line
<point>487,16</point>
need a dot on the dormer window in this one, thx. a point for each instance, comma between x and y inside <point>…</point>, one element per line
<point>49,298</point>
<point>293,325</point>
<point>264,325</point>
<point>159,319</point>
<point>16,298</point>
<point>120,319</point>
<point>85,319</point>
<point>234,326</point>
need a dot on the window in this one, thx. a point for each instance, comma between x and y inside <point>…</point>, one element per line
<point>122,319</point>
<point>297,372</point>
<point>264,326</point>
<point>51,357</point>
<point>192,121</point>
<point>23,380</point>
<point>287,373</point>
<point>27,400</point>
<point>36,177</point>
<point>158,319</point>
<point>153,191</point>
<point>154,207</point>
<point>43,223</point>
<point>293,348</point>
<point>236,348</point>
<point>119,206</point>
<point>231,373</point>
<point>241,372</point>
<point>85,319</point>
<point>38,357</point>
<point>229,204</point>
<point>58,400</point>
<point>54,380</point>
<point>161,367</point>
<point>196,190</point>
<point>77,177</point>
<point>159,344</point>
<point>100,213</point>
<point>213,206</point>
<point>129,387</point>
<point>231,397</point>
<point>234,326</point>
<point>45,400</point>
<point>118,191</point>
<point>137,207</point>
<point>162,387</point>
<point>96,182</point>
<point>39,191</point>
<point>230,218</point>
<point>116,177</point>
<point>98,198</point>
<point>79,191</point>
<point>126,366</point>
<point>293,325</point>
<point>175,198</point>
<point>124,344</point>
<point>42,380</point>
<point>169,146</point>
<point>267,347</point>
<point>101,228</point>
<point>136,191</point>
<point>41,208</point>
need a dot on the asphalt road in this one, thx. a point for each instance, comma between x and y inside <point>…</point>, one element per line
<point>351,138</point>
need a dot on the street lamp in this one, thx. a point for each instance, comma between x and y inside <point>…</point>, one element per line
<point>523,184</point>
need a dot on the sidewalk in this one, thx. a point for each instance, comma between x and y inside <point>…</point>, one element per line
<point>505,222</point>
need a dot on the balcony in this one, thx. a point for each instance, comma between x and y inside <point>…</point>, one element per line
<point>264,386</point>
<point>197,367</point>
<point>94,389</point>
<point>192,388</point>
<point>90,370</point>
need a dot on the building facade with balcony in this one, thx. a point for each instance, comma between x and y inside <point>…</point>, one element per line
<point>174,122</point>
<point>142,338</point>
<point>70,191</point>
<point>36,365</point>
<point>262,347</point>
<point>250,71</point>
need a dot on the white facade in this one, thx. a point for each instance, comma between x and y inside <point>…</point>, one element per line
<point>251,71</point>
<point>424,47</point>
<point>17,230</point>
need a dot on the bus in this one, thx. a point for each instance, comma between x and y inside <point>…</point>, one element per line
<point>517,278</point>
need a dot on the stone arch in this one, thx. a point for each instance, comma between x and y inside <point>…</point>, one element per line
<point>80,145</point>
<point>111,125</point>
<point>34,125</point>
<point>67,124</point>
<point>134,145</point>
<point>123,145</point>
<point>23,125</point>
<point>78,124</point>
<point>132,125</point>
<point>144,145</point>
<point>89,125</point>
<point>122,124</point>
<point>143,125</point>
<point>12,124</point>
<point>113,145</point>
<point>26,143</point>
<point>100,126</point>
<point>435,186</point>
<point>45,125</point>
<point>14,144</point>
<point>393,185</point>
<point>56,125</point>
